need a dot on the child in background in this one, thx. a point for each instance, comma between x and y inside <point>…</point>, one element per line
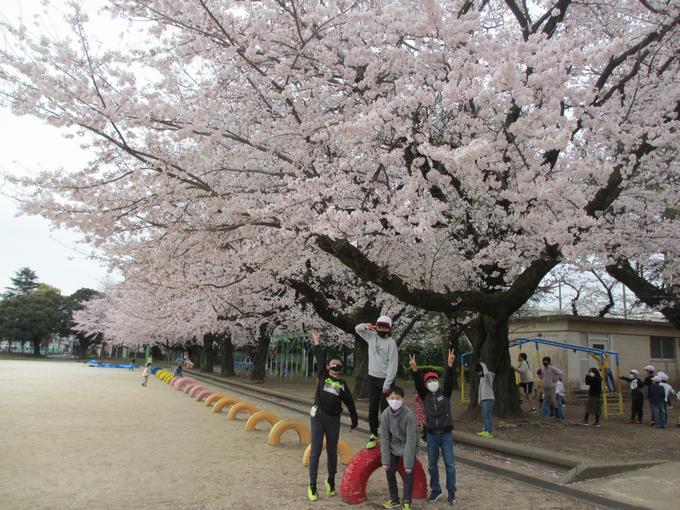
<point>560,392</point>
<point>398,439</point>
<point>594,404</point>
<point>133,360</point>
<point>178,370</point>
<point>485,397</point>
<point>657,396</point>
<point>668,390</point>
<point>146,373</point>
<point>637,398</point>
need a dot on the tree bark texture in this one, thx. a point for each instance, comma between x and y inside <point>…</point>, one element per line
<point>226,355</point>
<point>261,354</point>
<point>489,337</point>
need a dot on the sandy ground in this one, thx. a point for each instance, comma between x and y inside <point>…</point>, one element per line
<point>77,437</point>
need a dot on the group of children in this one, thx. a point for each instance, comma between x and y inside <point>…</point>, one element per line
<point>398,426</point>
<point>658,392</point>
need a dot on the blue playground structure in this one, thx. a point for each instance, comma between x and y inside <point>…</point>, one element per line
<point>99,364</point>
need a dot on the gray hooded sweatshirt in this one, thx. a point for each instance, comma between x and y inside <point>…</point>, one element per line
<point>398,436</point>
<point>486,385</point>
<point>383,358</point>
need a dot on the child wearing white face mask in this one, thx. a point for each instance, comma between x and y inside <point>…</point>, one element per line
<point>399,439</point>
<point>438,425</point>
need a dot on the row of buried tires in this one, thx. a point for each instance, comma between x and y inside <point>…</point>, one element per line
<point>359,467</point>
<point>218,401</point>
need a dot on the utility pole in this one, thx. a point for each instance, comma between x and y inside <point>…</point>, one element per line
<point>625,305</point>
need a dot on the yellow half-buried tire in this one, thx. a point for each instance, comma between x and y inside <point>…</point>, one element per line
<point>282,426</point>
<point>212,399</point>
<point>239,408</point>
<point>225,401</point>
<point>258,417</point>
<point>344,452</point>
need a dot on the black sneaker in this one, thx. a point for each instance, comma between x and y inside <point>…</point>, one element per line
<point>451,501</point>
<point>434,496</point>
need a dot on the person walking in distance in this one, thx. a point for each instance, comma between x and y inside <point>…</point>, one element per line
<point>383,360</point>
<point>550,374</point>
<point>526,379</point>
<point>331,393</point>
<point>438,425</point>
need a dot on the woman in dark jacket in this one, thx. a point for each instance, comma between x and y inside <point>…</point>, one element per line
<point>594,404</point>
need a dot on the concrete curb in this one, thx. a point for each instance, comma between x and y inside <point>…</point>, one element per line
<point>590,470</point>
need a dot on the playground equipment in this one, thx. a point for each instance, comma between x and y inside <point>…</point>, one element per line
<point>183,381</point>
<point>363,465</point>
<point>214,397</point>
<point>194,391</point>
<point>239,408</point>
<point>289,355</point>
<point>344,452</point>
<point>189,388</point>
<point>282,426</point>
<point>258,417</point>
<point>225,401</point>
<point>203,394</point>
<point>601,356</point>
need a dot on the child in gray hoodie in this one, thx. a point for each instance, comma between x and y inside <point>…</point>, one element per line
<point>485,397</point>
<point>383,361</point>
<point>399,439</point>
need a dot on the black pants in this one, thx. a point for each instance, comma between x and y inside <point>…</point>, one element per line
<point>636,406</point>
<point>324,424</point>
<point>392,481</point>
<point>376,399</point>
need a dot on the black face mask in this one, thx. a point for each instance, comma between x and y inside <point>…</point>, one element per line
<point>383,334</point>
<point>335,368</point>
<point>545,363</point>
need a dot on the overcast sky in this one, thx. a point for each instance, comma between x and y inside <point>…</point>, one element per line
<point>29,146</point>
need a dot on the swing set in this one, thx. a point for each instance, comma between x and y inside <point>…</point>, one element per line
<point>602,357</point>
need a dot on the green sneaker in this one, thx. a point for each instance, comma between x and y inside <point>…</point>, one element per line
<point>372,442</point>
<point>330,489</point>
<point>312,495</point>
<point>483,433</point>
<point>391,504</point>
<point>406,506</point>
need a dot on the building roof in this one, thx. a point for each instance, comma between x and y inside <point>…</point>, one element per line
<point>596,320</point>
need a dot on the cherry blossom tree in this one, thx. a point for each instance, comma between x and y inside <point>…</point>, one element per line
<point>451,153</point>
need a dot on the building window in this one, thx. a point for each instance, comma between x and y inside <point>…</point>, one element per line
<point>662,347</point>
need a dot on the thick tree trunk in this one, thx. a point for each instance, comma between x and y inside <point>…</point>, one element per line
<point>360,368</point>
<point>489,337</point>
<point>261,354</point>
<point>36,347</point>
<point>227,356</point>
<point>208,361</point>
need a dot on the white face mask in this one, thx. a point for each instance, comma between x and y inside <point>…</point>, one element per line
<point>433,386</point>
<point>394,404</point>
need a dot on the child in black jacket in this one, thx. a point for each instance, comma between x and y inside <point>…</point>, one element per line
<point>438,425</point>
<point>331,393</point>
<point>594,404</point>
